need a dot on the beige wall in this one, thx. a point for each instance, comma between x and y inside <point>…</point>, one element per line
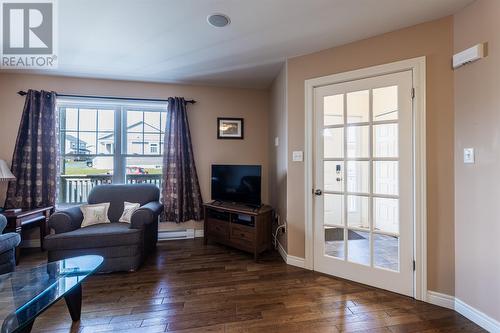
<point>433,40</point>
<point>477,186</point>
<point>278,155</point>
<point>253,105</point>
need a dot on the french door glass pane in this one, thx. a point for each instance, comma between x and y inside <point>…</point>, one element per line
<point>333,173</point>
<point>334,209</point>
<point>358,247</point>
<point>385,103</point>
<point>333,142</point>
<point>333,110</point>
<point>358,107</point>
<point>358,209</point>
<point>334,242</point>
<point>358,141</point>
<point>386,252</point>
<point>385,140</point>
<point>358,176</point>
<point>385,180</point>
<point>386,214</point>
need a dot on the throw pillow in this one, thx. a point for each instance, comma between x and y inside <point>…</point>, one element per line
<point>128,209</point>
<point>95,214</point>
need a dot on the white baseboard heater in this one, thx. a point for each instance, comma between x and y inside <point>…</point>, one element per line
<point>179,234</point>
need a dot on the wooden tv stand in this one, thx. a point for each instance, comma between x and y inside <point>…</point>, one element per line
<point>239,226</point>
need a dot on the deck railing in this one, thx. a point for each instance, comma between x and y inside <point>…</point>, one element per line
<point>75,189</point>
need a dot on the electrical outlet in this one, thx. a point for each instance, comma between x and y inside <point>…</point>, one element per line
<point>298,156</point>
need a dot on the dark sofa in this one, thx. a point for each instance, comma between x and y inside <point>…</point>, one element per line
<point>8,243</point>
<point>124,246</point>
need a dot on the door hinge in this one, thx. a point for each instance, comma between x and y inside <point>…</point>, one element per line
<point>412,93</point>
<point>414,265</point>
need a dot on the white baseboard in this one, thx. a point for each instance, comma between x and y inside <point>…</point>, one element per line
<point>439,299</point>
<point>291,260</point>
<point>179,234</point>
<point>473,314</point>
<point>282,251</point>
<point>296,261</point>
<point>29,243</point>
<point>483,320</point>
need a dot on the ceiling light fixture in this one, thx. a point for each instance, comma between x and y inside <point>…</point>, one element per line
<point>218,20</point>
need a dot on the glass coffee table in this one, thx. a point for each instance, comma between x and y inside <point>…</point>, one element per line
<point>25,294</point>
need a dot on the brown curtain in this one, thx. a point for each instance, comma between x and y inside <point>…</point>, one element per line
<point>34,162</point>
<point>181,189</point>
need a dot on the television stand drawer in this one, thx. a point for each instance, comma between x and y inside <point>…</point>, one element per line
<point>242,232</point>
<point>217,228</point>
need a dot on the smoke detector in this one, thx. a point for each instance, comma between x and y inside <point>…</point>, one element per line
<point>218,20</point>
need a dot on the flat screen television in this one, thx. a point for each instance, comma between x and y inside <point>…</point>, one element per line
<point>237,183</point>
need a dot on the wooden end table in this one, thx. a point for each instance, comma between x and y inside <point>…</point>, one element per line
<point>16,221</point>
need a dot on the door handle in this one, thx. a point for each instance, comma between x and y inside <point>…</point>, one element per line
<point>318,192</point>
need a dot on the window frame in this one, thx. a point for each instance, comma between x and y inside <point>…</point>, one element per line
<point>120,109</point>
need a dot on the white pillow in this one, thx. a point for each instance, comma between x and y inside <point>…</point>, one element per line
<point>95,214</point>
<point>128,209</point>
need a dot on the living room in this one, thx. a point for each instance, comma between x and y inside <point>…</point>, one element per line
<point>217,167</point>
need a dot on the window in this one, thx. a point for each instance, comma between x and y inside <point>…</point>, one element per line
<point>153,148</point>
<point>108,141</point>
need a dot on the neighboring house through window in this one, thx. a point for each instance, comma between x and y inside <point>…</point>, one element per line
<point>108,141</point>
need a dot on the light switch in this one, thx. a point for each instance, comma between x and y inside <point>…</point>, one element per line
<point>469,155</point>
<point>276,141</point>
<point>298,156</point>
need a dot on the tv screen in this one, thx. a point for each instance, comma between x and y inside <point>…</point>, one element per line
<point>237,183</point>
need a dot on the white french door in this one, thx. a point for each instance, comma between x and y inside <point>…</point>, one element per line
<point>363,206</point>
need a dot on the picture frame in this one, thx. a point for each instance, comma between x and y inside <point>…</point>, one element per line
<point>230,128</point>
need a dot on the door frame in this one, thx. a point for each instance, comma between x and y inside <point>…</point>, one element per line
<point>418,68</point>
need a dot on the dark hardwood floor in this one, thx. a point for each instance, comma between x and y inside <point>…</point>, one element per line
<point>187,287</point>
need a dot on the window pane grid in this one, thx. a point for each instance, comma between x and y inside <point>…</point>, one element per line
<point>90,152</point>
<point>351,182</point>
<point>377,122</point>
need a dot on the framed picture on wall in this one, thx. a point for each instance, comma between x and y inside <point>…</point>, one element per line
<point>230,128</point>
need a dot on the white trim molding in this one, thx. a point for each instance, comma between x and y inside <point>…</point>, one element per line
<point>469,312</point>
<point>282,252</point>
<point>290,260</point>
<point>480,318</point>
<point>439,299</point>
<point>418,67</point>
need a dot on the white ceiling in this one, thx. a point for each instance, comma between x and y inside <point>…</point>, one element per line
<point>170,40</point>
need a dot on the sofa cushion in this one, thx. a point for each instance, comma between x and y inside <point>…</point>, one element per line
<point>95,214</point>
<point>128,209</point>
<point>95,236</point>
<point>9,241</point>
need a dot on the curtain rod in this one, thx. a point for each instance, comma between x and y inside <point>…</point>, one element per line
<point>192,101</point>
